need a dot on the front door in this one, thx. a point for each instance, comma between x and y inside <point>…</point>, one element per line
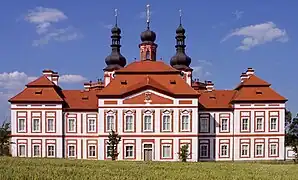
<point>147,152</point>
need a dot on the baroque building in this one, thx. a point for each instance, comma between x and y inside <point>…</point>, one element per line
<point>155,107</point>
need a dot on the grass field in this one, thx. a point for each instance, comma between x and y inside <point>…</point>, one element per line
<point>19,168</point>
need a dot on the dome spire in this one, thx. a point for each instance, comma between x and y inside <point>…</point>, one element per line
<point>115,60</point>
<point>148,16</point>
<point>180,60</point>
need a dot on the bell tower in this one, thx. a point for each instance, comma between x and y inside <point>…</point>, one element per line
<point>148,47</point>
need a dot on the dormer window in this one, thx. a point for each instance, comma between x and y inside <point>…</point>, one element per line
<point>259,92</point>
<point>172,82</point>
<point>38,91</point>
<point>85,98</point>
<point>123,82</point>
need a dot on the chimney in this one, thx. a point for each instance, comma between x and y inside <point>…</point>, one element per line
<point>48,73</point>
<point>243,76</point>
<point>209,86</point>
<point>55,78</point>
<point>250,71</point>
<point>87,86</point>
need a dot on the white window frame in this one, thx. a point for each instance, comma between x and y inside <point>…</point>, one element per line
<point>221,125</point>
<point>53,127</point>
<point>132,151</point>
<point>113,122</point>
<point>19,150</point>
<point>33,125</point>
<point>107,149</point>
<point>54,150</point>
<point>276,149</point>
<point>221,151</point>
<point>89,150</point>
<point>150,114</point>
<point>129,114</point>
<point>164,114</point>
<point>21,130</point>
<point>185,113</point>
<point>242,150</point>
<point>170,152</point>
<point>207,149</point>
<point>74,124</point>
<point>206,128</point>
<point>276,123</point>
<point>39,150</point>
<point>91,127</point>
<point>74,150</point>
<point>242,124</point>
<point>256,149</point>
<point>262,125</point>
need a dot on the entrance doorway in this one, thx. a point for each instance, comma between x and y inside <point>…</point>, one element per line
<point>148,152</point>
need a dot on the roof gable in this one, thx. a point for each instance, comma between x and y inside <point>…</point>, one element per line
<point>253,80</point>
<point>41,81</point>
<point>150,97</point>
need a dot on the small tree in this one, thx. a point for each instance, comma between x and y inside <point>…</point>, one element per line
<point>183,154</point>
<point>292,136</point>
<point>5,139</point>
<point>113,142</point>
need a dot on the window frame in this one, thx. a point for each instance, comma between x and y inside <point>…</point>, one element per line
<point>170,151</point>
<point>25,150</point>
<point>242,124</point>
<point>74,151</point>
<point>132,151</point>
<point>207,128</point>
<point>25,125</point>
<point>247,155</point>
<point>53,125</point>
<point>276,124</point>
<point>33,150</point>
<point>207,150</point>
<point>262,128</point>
<point>170,121</point>
<point>90,130</point>
<point>95,151</point>
<point>227,124</point>
<point>125,124</point>
<point>112,114</point>
<point>74,125</point>
<point>48,150</point>
<point>256,150</point>
<point>189,123</point>
<point>33,125</point>
<point>151,115</point>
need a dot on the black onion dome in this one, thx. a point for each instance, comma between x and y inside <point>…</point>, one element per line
<point>180,30</point>
<point>115,58</point>
<point>116,30</point>
<point>180,58</point>
<point>148,36</point>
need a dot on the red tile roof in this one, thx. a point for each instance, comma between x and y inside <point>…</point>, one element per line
<point>80,100</point>
<point>216,99</point>
<point>41,81</point>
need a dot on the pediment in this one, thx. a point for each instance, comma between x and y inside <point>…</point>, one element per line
<point>148,97</point>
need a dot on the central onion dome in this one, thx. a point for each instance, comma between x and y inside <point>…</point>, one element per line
<point>148,36</point>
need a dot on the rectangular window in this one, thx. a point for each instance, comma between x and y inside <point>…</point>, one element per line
<point>129,151</point>
<point>185,122</point>
<point>244,124</point>
<point>224,124</point>
<point>51,151</point>
<point>273,149</point>
<point>71,125</point>
<point>129,123</point>
<point>36,125</point>
<point>91,125</point>
<point>244,150</point>
<point>50,125</point>
<point>22,150</point>
<point>166,151</point>
<point>204,150</point>
<point>110,122</point>
<point>204,125</point>
<point>273,123</point>
<point>109,149</point>
<point>21,125</point>
<point>91,151</point>
<point>36,151</point>
<point>71,151</point>
<point>259,150</point>
<point>147,123</point>
<point>224,150</point>
<point>166,122</point>
<point>259,123</point>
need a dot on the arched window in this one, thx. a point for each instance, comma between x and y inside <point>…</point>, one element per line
<point>147,55</point>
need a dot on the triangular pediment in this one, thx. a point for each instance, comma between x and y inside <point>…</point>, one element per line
<point>148,97</point>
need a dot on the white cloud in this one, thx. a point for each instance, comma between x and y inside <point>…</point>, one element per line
<point>70,78</point>
<point>258,34</point>
<point>202,69</point>
<point>44,20</point>
<point>238,14</point>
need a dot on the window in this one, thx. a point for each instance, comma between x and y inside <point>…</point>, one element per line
<point>36,151</point>
<point>110,122</point>
<point>273,149</point>
<point>71,125</point>
<point>259,150</point>
<point>22,150</point>
<point>92,151</point>
<point>50,125</point>
<point>147,123</point>
<point>36,125</point>
<point>71,151</point>
<point>204,124</point>
<point>224,150</point>
<point>109,149</point>
<point>185,122</point>
<point>166,151</point>
<point>21,125</point>
<point>51,151</point>
<point>244,150</point>
<point>129,123</point>
<point>273,123</point>
<point>204,150</point>
<point>147,55</point>
<point>224,124</point>
<point>129,151</point>
<point>166,122</point>
<point>91,125</point>
<point>244,124</point>
<point>259,123</point>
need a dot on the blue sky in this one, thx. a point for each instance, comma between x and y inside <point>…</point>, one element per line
<point>223,39</point>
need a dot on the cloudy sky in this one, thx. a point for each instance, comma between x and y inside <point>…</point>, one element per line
<point>223,39</point>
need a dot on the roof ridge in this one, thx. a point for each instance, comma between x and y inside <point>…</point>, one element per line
<point>39,82</point>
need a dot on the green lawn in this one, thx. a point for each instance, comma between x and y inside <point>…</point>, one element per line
<point>39,169</point>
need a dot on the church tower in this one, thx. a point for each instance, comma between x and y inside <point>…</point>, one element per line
<point>148,47</point>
